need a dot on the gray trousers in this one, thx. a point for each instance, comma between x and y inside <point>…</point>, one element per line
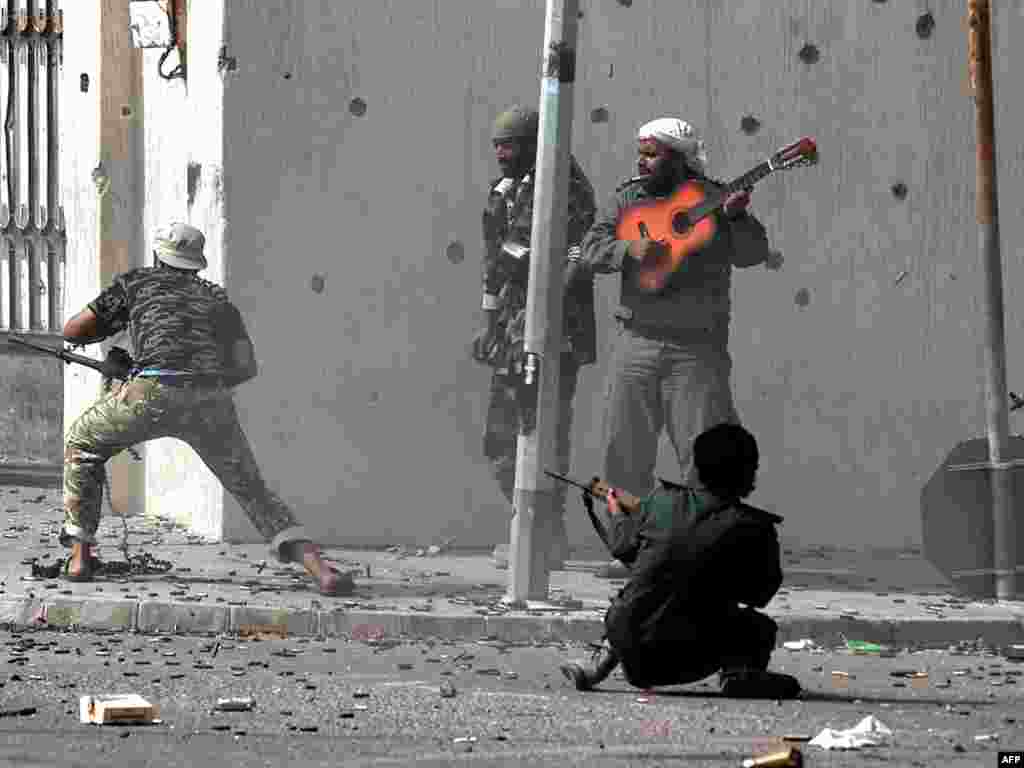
<point>655,384</point>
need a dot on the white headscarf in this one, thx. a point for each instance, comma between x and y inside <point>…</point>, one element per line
<point>680,136</point>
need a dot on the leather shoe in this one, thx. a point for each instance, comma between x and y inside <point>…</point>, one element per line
<point>758,684</point>
<point>585,678</point>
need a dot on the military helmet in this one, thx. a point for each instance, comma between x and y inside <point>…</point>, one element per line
<point>516,122</point>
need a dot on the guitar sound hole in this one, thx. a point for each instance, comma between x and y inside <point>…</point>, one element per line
<point>680,223</point>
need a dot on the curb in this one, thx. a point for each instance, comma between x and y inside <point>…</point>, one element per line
<point>156,617</point>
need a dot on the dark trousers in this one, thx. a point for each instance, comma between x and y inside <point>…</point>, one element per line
<point>683,649</point>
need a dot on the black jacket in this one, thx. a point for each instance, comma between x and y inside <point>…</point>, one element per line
<point>692,556</point>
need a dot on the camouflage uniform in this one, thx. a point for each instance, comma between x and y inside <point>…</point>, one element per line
<point>183,330</point>
<point>508,217</point>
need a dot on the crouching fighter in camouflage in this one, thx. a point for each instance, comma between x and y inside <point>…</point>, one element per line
<point>191,348</point>
<point>508,225</point>
<point>697,554</point>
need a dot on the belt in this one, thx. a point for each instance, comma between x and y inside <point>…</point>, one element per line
<point>180,378</point>
<point>668,333</point>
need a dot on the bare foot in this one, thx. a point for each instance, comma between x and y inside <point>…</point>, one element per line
<point>80,555</point>
<point>329,581</point>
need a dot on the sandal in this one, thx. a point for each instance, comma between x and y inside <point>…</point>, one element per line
<point>87,574</point>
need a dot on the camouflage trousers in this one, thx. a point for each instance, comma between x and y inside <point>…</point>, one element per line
<point>145,409</point>
<point>501,433</point>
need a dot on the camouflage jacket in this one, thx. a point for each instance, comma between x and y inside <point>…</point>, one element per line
<point>508,218</point>
<point>177,320</point>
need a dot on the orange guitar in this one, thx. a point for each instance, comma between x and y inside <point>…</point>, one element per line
<point>683,220</point>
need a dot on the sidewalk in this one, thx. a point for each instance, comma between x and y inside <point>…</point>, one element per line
<point>884,597</point>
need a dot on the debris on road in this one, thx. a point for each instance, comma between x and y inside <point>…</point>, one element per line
<point>119,708</point>
<point>263,631</point>
<point>20,712</point>
<point>869,732</point>
<point>805,644</point>
<point>862,647</point>
<point>242,704</point>
<point>785,758</point>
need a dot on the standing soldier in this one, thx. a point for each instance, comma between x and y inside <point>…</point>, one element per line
<point>191,349</point>
<point>507,226</point>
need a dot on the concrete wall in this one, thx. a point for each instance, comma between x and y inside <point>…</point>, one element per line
<point>184,182</point>
<point>32,392</point>
<point>367,415</point>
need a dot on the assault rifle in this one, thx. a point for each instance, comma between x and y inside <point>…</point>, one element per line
<point>598,489</point>
<point>116,365</point>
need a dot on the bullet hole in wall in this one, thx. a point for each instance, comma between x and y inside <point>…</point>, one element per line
<point>809,54</point>
<point>83,83</point>
<point>317,283</point>
<point>374,398</point>
<point>750,125</point>
<point>626,3</point>
<point>192,173</point>
<point>802,298</point>
<point>925,26</point>
<point>774,261</point>
<point>357,107</point>
<point>579,14</point>
<point>287,75</point>
<point>455,252</point>
<point>599,115</point>
<point>126,111</point>
<point>899,190</point>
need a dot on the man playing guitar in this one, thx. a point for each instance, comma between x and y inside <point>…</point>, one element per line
<point>671,369</point>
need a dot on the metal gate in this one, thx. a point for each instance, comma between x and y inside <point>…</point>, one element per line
<point>32,253</point>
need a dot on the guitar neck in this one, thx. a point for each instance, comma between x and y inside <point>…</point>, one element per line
<point>748,179</point>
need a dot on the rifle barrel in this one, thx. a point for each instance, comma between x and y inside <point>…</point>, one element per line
<point>63,354</point>
<point>570,481</point>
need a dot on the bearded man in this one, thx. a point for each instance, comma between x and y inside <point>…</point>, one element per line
<point>671,367</point>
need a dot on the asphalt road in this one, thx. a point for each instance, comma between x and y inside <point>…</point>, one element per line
<point>353,703</point>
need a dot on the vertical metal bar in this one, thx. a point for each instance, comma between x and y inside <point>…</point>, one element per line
<point>57,204</point>
<point>19,283</point>
<point>6,267</point>
<point>55,293</point>
<point>33,296</point>
<point>23,163</point>
<point>997,410</point>
<point>40,16</point>
<point>21,16</point>
<point>6,147</point>
<point>532,525</point>
<point>41,94</point>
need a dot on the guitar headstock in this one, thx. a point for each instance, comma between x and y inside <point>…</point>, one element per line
<point>799,153</point>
